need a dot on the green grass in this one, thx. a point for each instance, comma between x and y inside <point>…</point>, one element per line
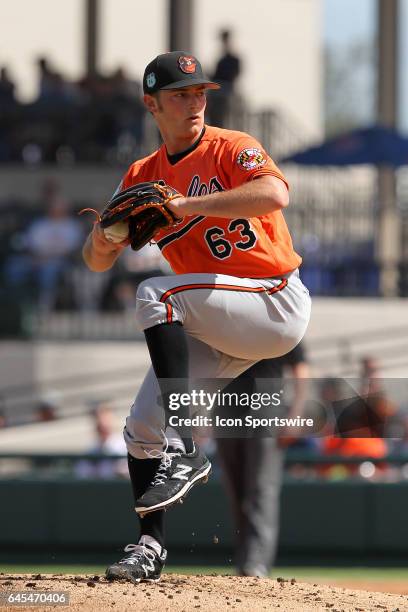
<point>343,573</point>
<point>307,573</point>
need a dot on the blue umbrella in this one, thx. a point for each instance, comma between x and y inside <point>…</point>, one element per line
<point>376,145</point>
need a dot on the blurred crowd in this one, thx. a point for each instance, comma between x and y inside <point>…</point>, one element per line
<point>354,418</point>
<point>98,118</point>
<point>41,266</point>
<point>87,120</point>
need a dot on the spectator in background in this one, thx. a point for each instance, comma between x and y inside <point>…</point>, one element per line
<point>372,390</point>
<point>229,65</point>
<point>370,375</point>
<point>353,447</point>
<point>252,466</point>
<point>124,88</point>
<point>45,79</point>
<point>8,116</point>
<point>47,408</point>
<point>50,242</point>
<point>97,118</point>
<point>130,113</point>
<point>360,425</point>
<point>7,90</point>
<point>108,442</point>
<point>223,102</point>
<point>55,91</point>
<point>297,441</point>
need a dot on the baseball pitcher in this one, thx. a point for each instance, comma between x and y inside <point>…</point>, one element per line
<point>212,200</point>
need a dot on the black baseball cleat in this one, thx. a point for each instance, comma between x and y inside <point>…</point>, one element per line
<point>177,473</point>
<point>143,563</point>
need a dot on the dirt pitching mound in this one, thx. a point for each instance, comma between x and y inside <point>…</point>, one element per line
<point>177,593</point>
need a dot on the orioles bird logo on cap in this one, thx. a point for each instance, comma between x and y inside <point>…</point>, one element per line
<point>187,63</point>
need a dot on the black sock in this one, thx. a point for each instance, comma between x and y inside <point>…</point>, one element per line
<point>188,444</point>
<point>142,472</point>
<point>168,350</point>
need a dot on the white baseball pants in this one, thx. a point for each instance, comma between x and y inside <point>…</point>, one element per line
<point>230,322</point>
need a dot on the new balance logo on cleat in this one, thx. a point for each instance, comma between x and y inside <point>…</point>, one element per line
<point>182,471</point>
<point>144,563</point>
<point>177,473</point>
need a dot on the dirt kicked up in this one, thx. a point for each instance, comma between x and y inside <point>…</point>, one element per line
<point>177,593</point>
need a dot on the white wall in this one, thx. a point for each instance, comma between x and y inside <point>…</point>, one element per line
<point>133,32</point>
<point>30,28</point>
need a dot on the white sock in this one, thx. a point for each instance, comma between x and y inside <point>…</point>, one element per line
<point>146,539</point>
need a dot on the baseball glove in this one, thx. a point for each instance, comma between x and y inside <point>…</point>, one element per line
<point>144,207</point>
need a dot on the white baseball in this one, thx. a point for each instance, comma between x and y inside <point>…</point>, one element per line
<point>117,232</point>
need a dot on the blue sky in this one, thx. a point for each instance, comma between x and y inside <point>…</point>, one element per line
<point>346,21</point>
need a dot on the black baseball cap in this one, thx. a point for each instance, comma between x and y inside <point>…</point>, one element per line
<point>174,70</point>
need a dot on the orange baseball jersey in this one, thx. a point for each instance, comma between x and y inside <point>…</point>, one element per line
<point>259,247</point>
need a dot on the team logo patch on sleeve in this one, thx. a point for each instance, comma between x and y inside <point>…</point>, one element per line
<point>251,158</point>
